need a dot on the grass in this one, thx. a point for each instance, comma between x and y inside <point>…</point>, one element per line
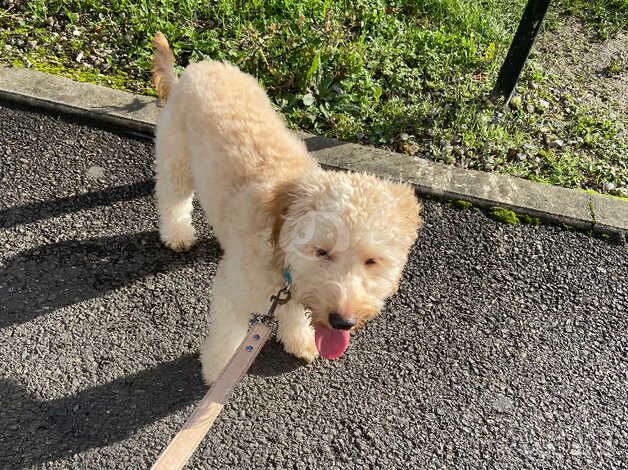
<point>607,17</point>
<point>407,76</point>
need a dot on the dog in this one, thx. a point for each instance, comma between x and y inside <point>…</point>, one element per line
<point>344,238</point>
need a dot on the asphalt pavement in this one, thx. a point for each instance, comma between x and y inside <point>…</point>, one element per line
<point>505,347</point>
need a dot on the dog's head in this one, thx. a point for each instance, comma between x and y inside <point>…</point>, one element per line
<point>345,238</point>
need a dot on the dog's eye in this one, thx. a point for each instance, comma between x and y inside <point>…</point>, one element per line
<point>322,253</point>
<point>370,261</point>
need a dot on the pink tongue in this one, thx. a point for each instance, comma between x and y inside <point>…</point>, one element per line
<point>331,343</point>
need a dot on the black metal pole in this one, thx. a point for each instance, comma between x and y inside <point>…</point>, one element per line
<point>523,41</point>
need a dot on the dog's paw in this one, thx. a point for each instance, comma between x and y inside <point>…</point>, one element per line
<point>302,346</point>
<point>210,373</point>
<point>212,363</point>
<point>179,245</point>
<point>308,354</point>
<point>181,239</point>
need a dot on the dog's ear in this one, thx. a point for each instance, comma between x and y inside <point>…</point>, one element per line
<point>407,208</point>
<point>281,198</point>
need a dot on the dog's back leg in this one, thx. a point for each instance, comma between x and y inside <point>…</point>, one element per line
<point>174,185</point>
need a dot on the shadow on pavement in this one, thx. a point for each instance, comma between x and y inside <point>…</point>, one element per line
<point>273,360</point>
<point>133,106</point>
<point>33,431</point>
<point>315,143</point>
<point>44,210</point>
<point>48,277</point>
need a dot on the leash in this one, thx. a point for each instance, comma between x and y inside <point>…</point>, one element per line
<point>183,445</point>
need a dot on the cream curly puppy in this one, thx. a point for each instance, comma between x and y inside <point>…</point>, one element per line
<point>343,237</point>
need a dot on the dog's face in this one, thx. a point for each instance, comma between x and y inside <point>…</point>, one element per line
<point>345,239</point>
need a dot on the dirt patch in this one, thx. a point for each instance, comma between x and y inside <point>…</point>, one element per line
<point>594,71</point>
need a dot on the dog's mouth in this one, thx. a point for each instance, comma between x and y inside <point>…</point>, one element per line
<point>330,342</point>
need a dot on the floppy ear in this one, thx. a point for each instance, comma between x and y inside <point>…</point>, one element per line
<point>294,196</point>
<point>407,209</point>
<point>281,198</point>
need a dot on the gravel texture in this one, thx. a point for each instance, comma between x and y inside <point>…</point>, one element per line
<point>505,347</point>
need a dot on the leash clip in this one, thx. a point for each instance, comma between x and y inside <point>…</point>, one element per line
<point>282,296</point>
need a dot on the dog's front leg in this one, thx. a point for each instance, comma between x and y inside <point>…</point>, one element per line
<point>295,332</point>
<point>228,324</point>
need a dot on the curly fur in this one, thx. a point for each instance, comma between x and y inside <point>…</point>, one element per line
<point>271,205</point>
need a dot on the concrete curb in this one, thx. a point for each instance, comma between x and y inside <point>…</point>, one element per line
<point>138,113</point>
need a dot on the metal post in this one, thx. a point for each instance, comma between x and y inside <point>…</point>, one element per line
<point>523,41</point>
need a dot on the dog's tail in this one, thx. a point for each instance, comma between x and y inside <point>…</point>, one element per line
<point>164,76</point>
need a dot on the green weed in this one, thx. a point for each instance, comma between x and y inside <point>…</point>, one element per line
<point>504,215</point>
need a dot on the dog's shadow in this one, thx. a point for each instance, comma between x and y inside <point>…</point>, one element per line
<point>49,277</point>
<point>133,106</point>
<point>34,431</point>
<point>21,215</point>
<point>273,361</point>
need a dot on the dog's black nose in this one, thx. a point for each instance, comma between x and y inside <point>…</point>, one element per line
<point>339,322</point>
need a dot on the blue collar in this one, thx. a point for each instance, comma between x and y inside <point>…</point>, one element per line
<point>286,275</point>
